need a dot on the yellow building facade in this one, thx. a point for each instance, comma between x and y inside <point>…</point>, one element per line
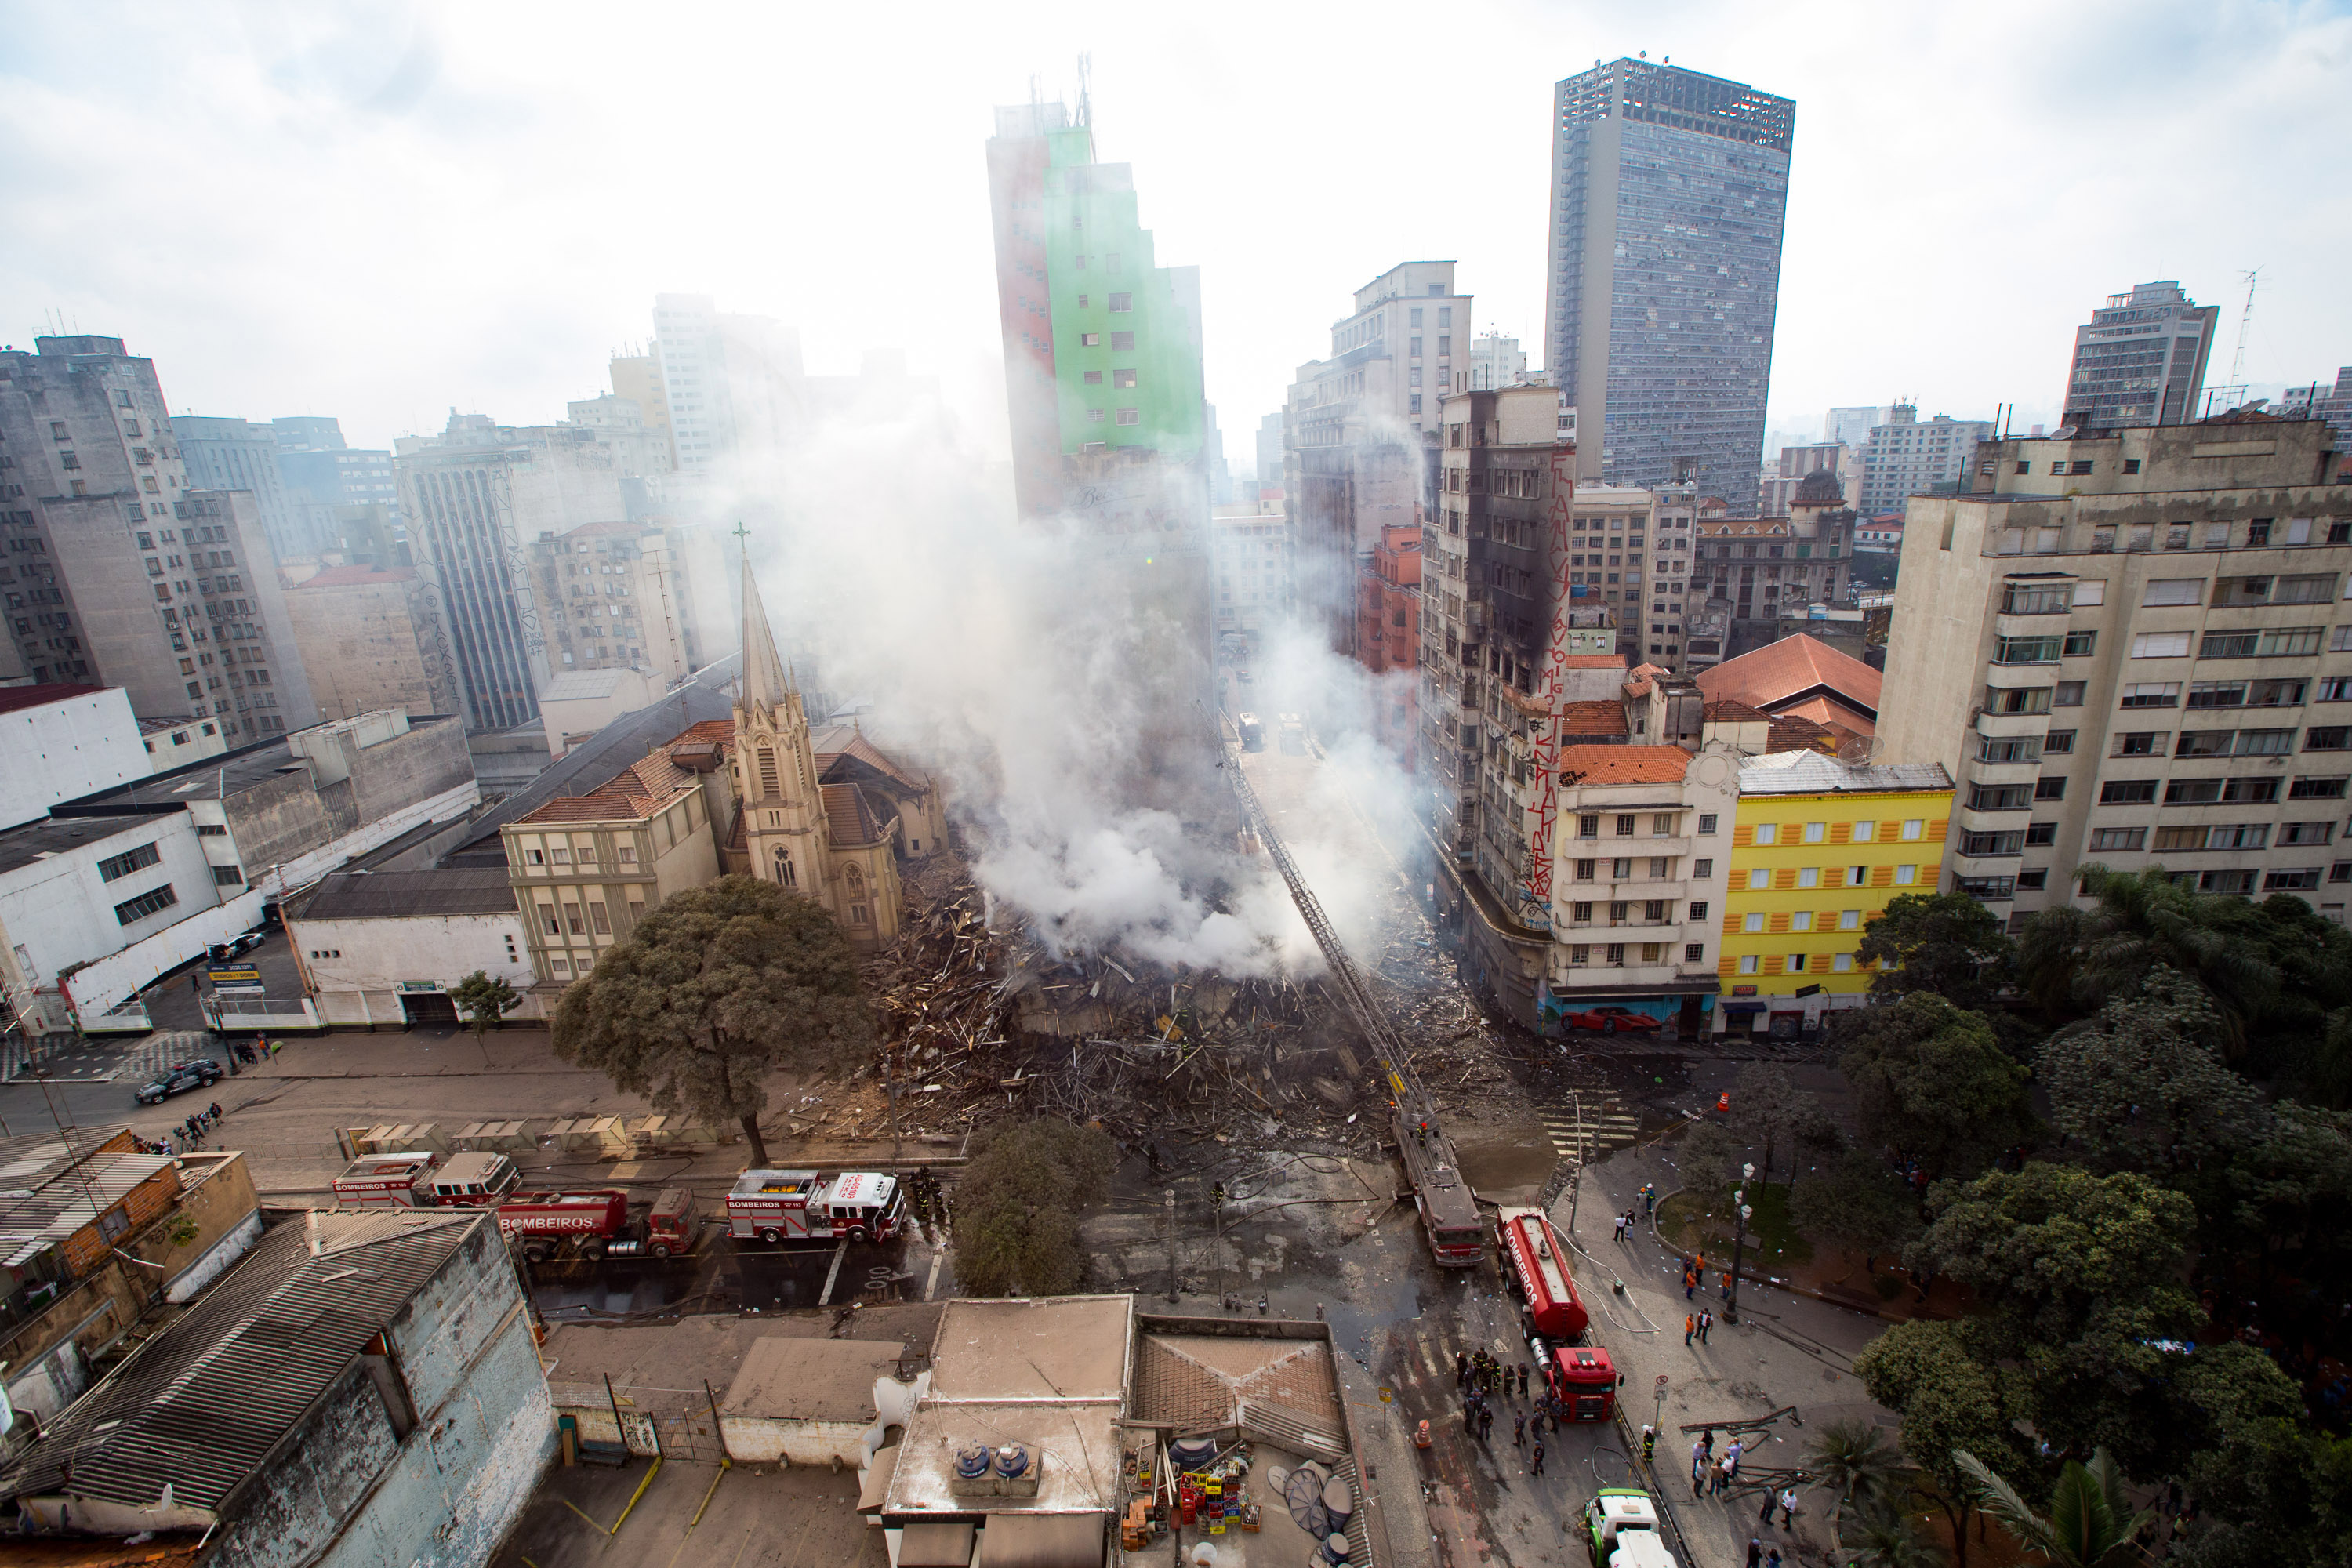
<point>1818,850</point>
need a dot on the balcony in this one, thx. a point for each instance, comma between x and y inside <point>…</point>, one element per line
<point>2012,726</point>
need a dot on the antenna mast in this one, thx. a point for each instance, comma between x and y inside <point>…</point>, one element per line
<point>2238,364</point>
<point>1085,104</point>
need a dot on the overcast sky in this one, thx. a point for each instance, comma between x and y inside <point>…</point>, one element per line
<point>380,210</point>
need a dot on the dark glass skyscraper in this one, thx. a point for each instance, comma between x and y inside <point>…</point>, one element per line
<point>1669,192</point>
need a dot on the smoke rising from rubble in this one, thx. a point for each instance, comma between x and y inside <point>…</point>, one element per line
<point>888,549</point>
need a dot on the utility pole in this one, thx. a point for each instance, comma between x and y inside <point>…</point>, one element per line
<point>1171,1247</point>
<point>1217,1204</point>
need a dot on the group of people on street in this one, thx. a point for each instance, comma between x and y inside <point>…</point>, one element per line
<point>1481,1377</point>
<point>1711,1477</point>
<point>188,1136</point>
<point>1696,1327</point>
<point>926,1198</point>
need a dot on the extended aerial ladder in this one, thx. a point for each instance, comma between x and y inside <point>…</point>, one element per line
<point>1449,1212</point>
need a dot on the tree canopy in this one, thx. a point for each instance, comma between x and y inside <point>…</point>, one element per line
<point>1858,1203</point>
<point>718,988</point>
<point>1768,1109</point>
<point>1945,943</point>
<point>1932,1084</point>
<point>1017,1207</point>
<point>1951,1403</point>
<point>2078,958</point>
<point>2141,1085</point>
<point>485,1001</point>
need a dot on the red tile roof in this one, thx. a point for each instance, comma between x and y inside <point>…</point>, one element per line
<point>355,576</point>
<point>1624,764</point>
<point>1729,712</point>
<point>15,697</point>
<point>849,818</point>
<point>643,787</point>
<point>1593,721</point>
<point>1777,675</point>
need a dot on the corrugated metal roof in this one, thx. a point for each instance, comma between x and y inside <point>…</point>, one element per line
<point>380,895</point>
<point>1810,773</point>
<point>202,1405</point>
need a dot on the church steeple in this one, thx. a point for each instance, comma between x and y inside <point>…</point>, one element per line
<point>766,683</point>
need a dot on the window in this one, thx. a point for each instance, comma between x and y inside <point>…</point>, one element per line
<point>1864,832</point>
<point>2118,837</point>
<point>2304,590</point>
<point>1978,845</point>
<point>1768,832</point>
<point>1123,378</point>
<point>1119,303</point>
<point>1810,877</point>
<point>2038,599</point>
<point>560,854</point>
<point>1584,870</point>
<point>1706,822</point>
<point>1122,342</point>
<point>2017,749</point>
<point>2000,797</point>
<point>1759,878</point>
<point>1622,869</point>
<point>572,920</point>
<point>2028,650</point>
<point>1582,913</point>
<point>2309,788</point>
<point>1751,923</point>
<point>1816,832</point>
<point>2017,699</point>
<point>598,920</point>
<point>1130,417</point>
<point>1985,887</point>
<point>1906,876</point>
<point>1697,912</point>
<point>2160,645</point>
<point>2291,881</point>
<point>1580,953</point>
<point>2041,833</point>
<point>2067,694</point>
<point>1090,340</point>
<point>1625,827</point>
<point>2088,595</point>
<point>1747,963</point>
<point>2306,832</point>
<point>1617,955</point>
<point>1588,827</point>
<point>1693,952</point>
<point>131,911</point>
<point>2224,836</point>
<point>1702,869</point>
<point>2058,742</point>
<point>2335,688</point>
<point>2174,590</point>
<point>2327,738</point>
<point>1662,825</point>
<point>546,918</point>
<point>2079,645</point>
<point>2150,694</point>
<point>2140,744</point>
<point>119,866</point>
<point>1915,828</point>
<point>2128,792</point>
<point>1801,920</point>
<point>628,853</point>
<point>1857,876</point>
<point>227,877</point>
<point>1796,964</point>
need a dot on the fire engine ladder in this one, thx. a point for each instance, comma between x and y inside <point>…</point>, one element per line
<point>1346,979</point>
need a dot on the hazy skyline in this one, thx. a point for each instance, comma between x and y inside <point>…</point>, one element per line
<point>382,210</point>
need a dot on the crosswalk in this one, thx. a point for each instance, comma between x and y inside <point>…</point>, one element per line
<point>1590,1124</point>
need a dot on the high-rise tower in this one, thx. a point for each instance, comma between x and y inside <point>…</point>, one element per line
<point>2140,360</point>
<point>1669,190</point>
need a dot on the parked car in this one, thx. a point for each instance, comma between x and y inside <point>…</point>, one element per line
<point>236,946</point>
<point>180,1077</point>
<point>1610,1020</point>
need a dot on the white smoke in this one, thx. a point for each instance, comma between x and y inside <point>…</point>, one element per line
<point>886,543</point>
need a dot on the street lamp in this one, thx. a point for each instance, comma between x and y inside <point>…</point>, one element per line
<point>1742,1213</point>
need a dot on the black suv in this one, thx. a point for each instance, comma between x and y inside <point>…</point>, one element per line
<point>180,1077</point>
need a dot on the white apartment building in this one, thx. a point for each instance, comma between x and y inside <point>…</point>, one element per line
<point>1250,546</point>
<point>1494,361</point>
<point>1906,457</point>
<point>2136,649</point>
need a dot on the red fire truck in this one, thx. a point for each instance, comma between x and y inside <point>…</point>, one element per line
<point>595,1224</point>
<point>795,1206</point>
<point>1578,1374</point>
<point>1539,1271</point>
<point>421,1179</point>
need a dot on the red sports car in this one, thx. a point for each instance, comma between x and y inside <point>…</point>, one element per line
<point>1609,1020</point>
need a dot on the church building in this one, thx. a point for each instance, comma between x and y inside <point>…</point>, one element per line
<point>836,842</point>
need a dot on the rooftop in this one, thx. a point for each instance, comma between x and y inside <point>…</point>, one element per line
<point>12,698</point>
<point>1053,1348</point>
<point>443,890</point>
<point>838,740</point>
<point>1625,764</point>
<point>34,1219</point>
<point>1194,1383</point>
<point>578,685</point>
<point>1779,674</point>
<point>200,1407</point>
<point>812,1379</point>
<point>56,836</point>
<point>1592,720</point>
<point>1810,773</point>
<point>645,785</point>
<point>222,775</point>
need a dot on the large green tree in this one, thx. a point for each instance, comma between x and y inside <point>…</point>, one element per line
<point>2080,1276</point>
<point>1945,943</point>
<point>1857,1204</point>
<point>1017,1205</point>
<point>1768,1110</point>
<point>2141,1086</point>
<point>2073,957</point>
<point>1932,1084</point>
<point>718,988</point>
<point>2091,1523</point>
<point>1951,1403</point>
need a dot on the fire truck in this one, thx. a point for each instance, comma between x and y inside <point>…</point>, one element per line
<point>420,1180</point>
<point>1449,1211</point>
<point>1537,1262</point>
<point>1580,1375</point>
<point>796,1205</point>
<point>594,1224</point>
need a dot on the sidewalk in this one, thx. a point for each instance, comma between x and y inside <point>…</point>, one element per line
<point>1787,1349</point>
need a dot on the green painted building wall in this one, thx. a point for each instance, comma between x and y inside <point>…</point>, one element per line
<point>1100,258</point>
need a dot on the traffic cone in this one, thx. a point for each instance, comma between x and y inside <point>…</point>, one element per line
<point>1723,1101</point>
